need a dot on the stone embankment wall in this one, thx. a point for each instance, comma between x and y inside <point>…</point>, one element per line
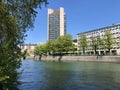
<point>79,58</point>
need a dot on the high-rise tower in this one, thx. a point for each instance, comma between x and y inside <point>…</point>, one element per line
<point>56,23</point>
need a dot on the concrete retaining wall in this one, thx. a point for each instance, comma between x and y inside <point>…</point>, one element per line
<point>79,58</point>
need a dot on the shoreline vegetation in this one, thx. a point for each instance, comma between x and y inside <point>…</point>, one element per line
<point>16,18</point>
<point>75,58</point>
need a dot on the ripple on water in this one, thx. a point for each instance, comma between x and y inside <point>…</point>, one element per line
<point>69,76</point>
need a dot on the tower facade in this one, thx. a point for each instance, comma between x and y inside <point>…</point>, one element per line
<point>56,23</point>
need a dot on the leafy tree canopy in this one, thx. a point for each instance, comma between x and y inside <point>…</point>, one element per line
<point>41,49</point>
<point>83,42</point>
<point>16,17</point>
<point>109,41</point>
<point>62,44</point>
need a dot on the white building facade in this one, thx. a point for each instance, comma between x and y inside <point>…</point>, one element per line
<point>56,23</point>
<point>115,32</point>
<point>29,47</point>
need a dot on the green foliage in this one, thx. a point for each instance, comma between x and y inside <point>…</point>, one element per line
<point>97,43</point>
<point>117,41</point>
<point>24,11</point>
<point>16,17</point>
<point>25,53</point>
<point>62,45</point>
<point>51,46</point>
<point>101,43</point>
<point>105,42</point>
<point>109,41</point>
<point>10,52</point>
<point>83,42</point>
<point>41,49</point>
<point>94,44</point>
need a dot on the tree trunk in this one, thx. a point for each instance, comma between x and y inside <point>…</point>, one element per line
<point>83,51</point>
<point>109,51</point>
<point>40,57</point>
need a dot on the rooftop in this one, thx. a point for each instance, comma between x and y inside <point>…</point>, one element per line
<point>107,27</point>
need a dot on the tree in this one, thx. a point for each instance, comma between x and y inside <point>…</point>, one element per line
<point>39,50</point>
<point>101,43</point>
<point>62,45</point>
<point>117,41</point>
<point>16,17</point>
<point>109,41</point>
<point>51,47</point>
<point>9,48</point>
<point>94,44</point>
<point>24,11</point>
<point>65,43</point>
<point>97,42</point>
<point>83,42</point>
<point>25,54</point>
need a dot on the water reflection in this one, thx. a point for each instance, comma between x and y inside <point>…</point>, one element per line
<point>57,76</point>
<point>69,76</point>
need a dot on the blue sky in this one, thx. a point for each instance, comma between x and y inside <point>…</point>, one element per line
<point>82,15</point>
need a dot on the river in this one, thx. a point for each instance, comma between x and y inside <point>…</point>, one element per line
<point>39,75</point>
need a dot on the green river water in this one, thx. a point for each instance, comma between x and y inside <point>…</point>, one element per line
<point>39,75</point>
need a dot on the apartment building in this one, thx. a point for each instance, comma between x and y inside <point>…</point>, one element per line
<point>29,47</point>
<point>115,33</point>
<point>56,23</point>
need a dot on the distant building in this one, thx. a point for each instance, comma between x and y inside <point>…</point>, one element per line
<point>56,23</point>
<point>41,43</point>
<point>29,47</point>
<point>115,31</point>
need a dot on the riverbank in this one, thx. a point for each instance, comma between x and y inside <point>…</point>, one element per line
<point>78,58</point>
